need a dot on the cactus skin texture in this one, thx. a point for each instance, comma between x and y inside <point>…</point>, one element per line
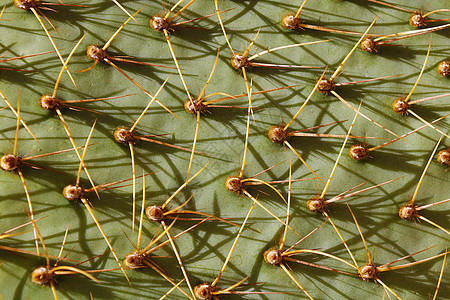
<point>222,135</point>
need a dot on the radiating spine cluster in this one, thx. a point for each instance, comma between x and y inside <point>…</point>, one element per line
<point>172,222</point>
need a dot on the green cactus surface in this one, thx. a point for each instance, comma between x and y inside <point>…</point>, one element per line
<point>221,143</point>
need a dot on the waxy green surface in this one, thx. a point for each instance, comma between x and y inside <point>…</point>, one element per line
<point>222,135</point>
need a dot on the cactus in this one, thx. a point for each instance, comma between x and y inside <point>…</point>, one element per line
<point>221,139</point>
